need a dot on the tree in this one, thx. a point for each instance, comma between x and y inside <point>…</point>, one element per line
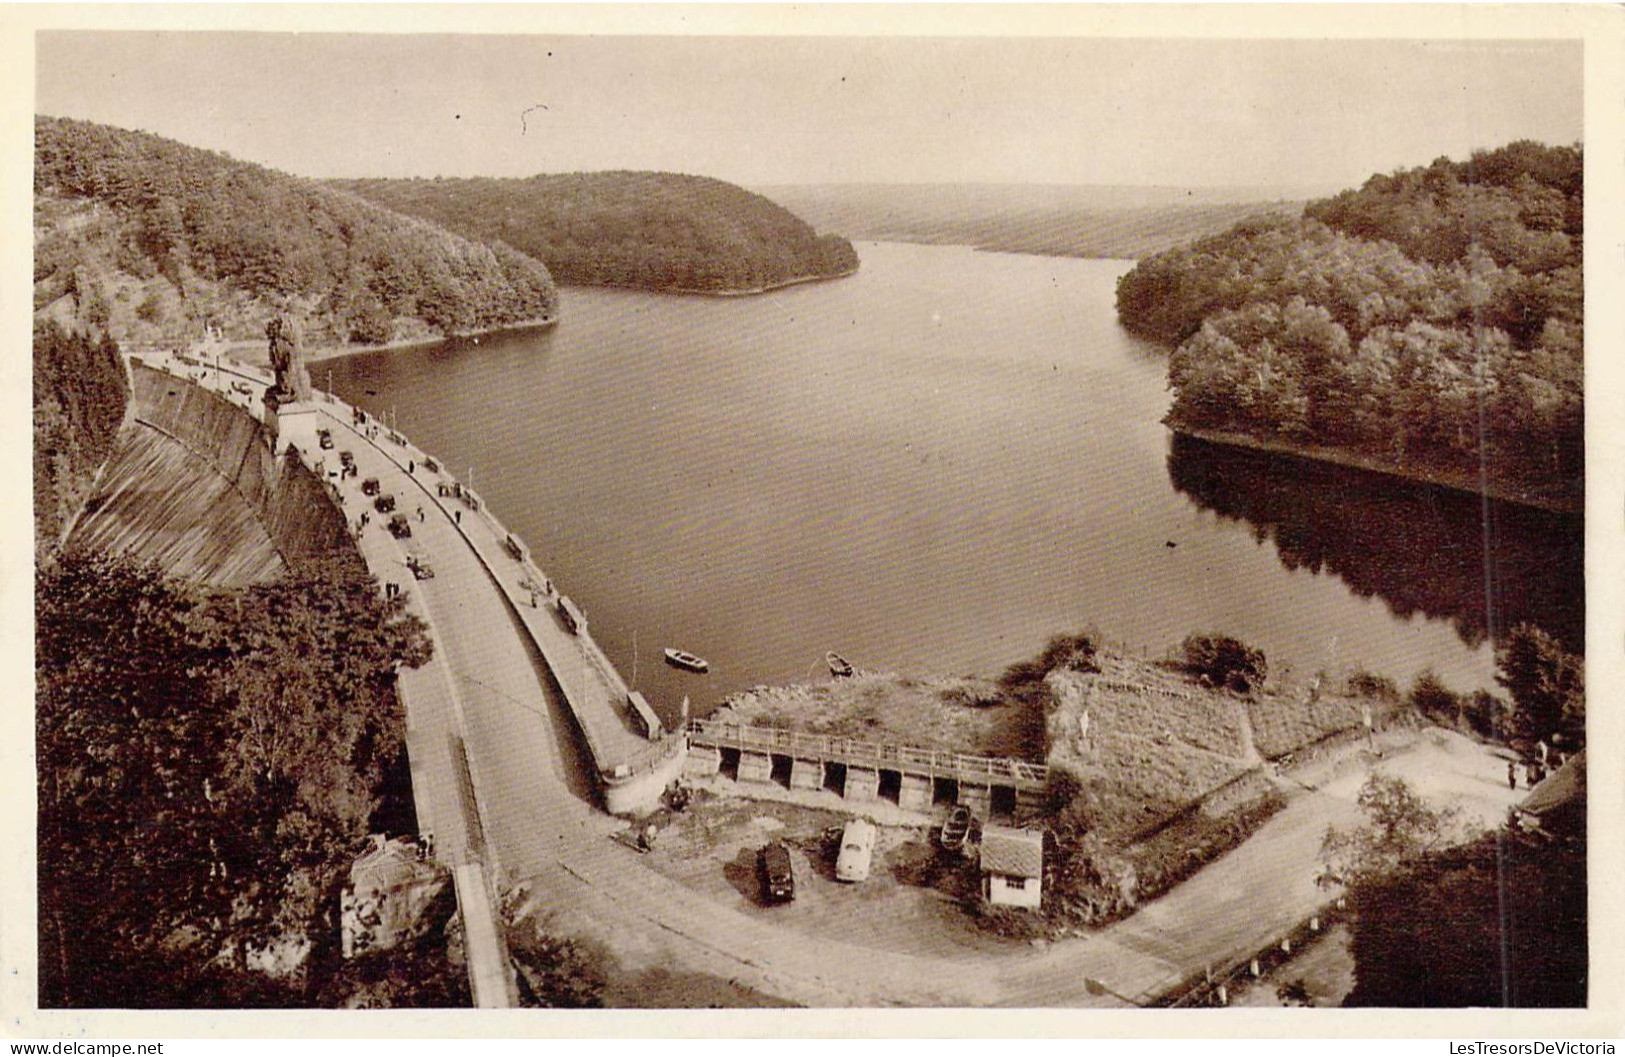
<point>1219,660</point>
<point>1546,682</point>
<point>1400,829</point>
<point>207,762</point>
<point>1431,697</point>
<point>1499,922</point>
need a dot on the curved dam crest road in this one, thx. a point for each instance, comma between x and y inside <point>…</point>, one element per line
<point>539,831</point>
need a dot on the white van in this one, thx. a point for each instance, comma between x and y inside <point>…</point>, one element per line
<point>857,848</point>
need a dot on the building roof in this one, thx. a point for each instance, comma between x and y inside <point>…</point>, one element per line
<point>1561,788</point>
<point>1014,852</point>
<point>388,865</point>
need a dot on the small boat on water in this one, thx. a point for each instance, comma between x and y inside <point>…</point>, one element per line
<point>839,666</point>
<point>684,659</point>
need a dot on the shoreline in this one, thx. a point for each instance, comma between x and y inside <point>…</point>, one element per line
<point>687,292</point>
<point>256,354</point>
<point>1455,482</point>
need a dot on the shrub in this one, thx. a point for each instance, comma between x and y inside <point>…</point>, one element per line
<point>1086,881</point>
<point>1190,843</point>
<point>1362,683</point>
<point>150,308</point>
<point>1067,797</point>
<point>1069,653</point>
<point>1487,714</point>
<point>1219,660</point>
<point>1432,698</point>
<point>557,972</point>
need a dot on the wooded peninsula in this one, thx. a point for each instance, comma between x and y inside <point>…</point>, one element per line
<point>1428,324</point>
<point>645,230</point>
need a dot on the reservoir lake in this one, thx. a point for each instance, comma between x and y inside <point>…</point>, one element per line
<point>933,466</point>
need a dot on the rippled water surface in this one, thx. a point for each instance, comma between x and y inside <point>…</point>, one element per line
<point>934,465</point>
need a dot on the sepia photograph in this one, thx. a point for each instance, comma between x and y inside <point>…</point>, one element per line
<point>528,518</point>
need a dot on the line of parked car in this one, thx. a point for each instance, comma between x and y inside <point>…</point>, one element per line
<point>855,855</point>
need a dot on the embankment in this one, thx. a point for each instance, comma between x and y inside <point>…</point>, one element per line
<point>193,485</point>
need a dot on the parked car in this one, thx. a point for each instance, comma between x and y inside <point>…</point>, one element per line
<point>324,438</point>
<point>384,504</point>
<point>347,459</point>
<point>370,486</point>
<point>399,527</point>
<point>857,849</point>
<point>778,876</point>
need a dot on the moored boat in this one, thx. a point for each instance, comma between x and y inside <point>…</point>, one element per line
<point>839,666</point>
<point>684,659</point>
<point>956,829</point>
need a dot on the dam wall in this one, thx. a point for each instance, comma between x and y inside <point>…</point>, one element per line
<point>192,484</point>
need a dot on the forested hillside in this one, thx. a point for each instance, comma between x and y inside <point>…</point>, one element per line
<point>209,763</point>
<point>79,399</point>
<point>1430,322</point>
<point>149,238</point>
<point>649,230</point>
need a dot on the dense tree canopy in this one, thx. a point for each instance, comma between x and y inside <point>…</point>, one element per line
<point>1547,684</point>
<point>79,398</point>
<point>656,231</point>
<point>207,763</point>
<point>198,218</point>
<point>1431,321</point>
<point>1499,922</point>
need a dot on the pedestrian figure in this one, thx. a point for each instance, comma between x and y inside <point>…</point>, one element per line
<point>420,513</point>
<point>458,514</point>
<point>411,467</point>
<point>1512,775</point>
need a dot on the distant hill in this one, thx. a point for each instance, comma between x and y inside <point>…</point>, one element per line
<point>1053,220</point>
<point>147,238</point>
<point>1429,323</point>
<point>648,230</point>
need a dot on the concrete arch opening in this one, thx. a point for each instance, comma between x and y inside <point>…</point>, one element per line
<point>1002,802</point>
<point>835,778</point>
<point>891,786</point>
<point>730,764</point>
<point>944,792</point>
<point>779,772</point>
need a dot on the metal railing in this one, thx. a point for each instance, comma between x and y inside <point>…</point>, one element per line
<point>743,736</point>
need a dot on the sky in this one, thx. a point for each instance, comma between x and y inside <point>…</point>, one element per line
<point>771,110</point>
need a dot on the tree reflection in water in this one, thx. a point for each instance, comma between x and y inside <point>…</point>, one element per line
<point>1485,566</point>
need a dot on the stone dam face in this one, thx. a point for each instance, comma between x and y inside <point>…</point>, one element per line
<point>193,486</point>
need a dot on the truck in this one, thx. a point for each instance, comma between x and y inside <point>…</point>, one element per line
<point>778,875</point>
